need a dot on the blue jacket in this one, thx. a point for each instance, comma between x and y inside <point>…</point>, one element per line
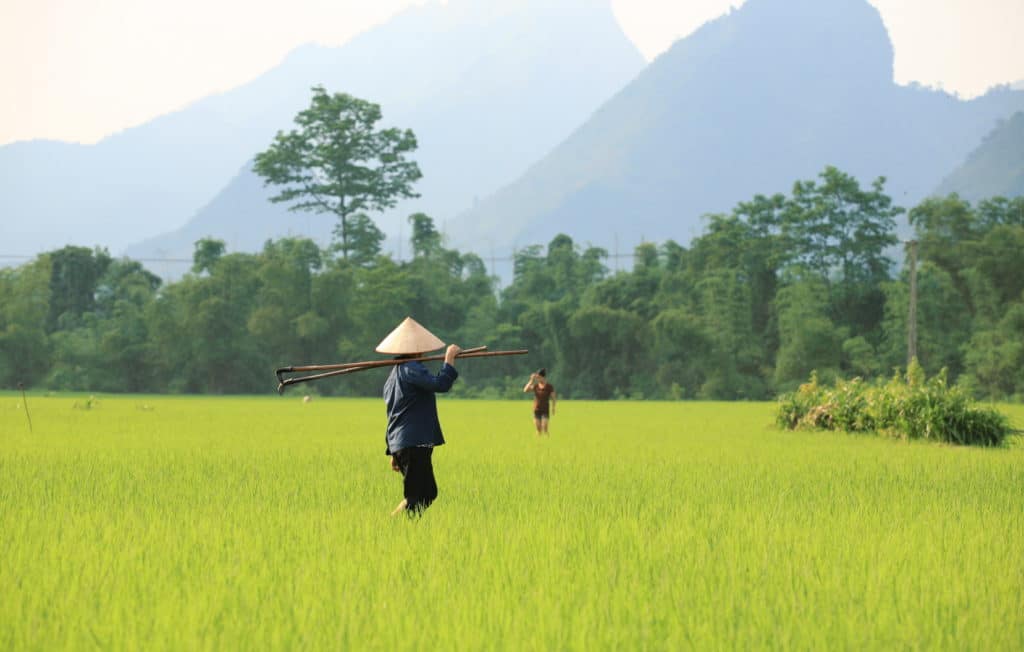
<point>412,408</point>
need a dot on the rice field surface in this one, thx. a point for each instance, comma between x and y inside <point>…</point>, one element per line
<point>155,523</point>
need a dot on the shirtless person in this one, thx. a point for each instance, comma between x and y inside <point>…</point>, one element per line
<point>544,399</point>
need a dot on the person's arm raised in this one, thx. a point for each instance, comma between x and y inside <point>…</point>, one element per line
<point>450,353</point>
<point>530,383</point>
<point>417,374</point>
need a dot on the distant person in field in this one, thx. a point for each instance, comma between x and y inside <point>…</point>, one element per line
<point>413,427</point>
<point>544,398</point>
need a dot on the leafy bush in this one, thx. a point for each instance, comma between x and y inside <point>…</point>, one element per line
<point>910,407</point>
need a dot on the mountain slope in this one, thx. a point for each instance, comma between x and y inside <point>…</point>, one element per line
<point>513,76</point>
<point>995,168</point>
<point>749,103</point>
<point>506,82</point>
<point>136,182</point>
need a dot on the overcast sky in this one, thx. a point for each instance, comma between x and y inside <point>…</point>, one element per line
<point>79,70</point>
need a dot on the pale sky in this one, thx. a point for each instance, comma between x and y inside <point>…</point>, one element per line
<point>79,70</point>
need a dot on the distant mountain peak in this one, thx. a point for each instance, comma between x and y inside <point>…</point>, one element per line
<point>489,6</point>
<point>843,39</point>
<point>752,101</point>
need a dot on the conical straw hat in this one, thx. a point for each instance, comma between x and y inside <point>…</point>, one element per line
<point>409,337</point>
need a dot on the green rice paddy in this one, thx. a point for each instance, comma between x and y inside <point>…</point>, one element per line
<point>152,523</point>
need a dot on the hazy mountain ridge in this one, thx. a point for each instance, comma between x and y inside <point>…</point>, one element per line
<point>151,179</point>
<point>110,193</point>
<point>752,101</point>
<point>995,168</point>
<point>748,103</point>
<point>510,86</point>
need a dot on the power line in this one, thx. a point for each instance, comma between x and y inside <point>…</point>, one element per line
<point>141,260</point>
<point>492,258</point>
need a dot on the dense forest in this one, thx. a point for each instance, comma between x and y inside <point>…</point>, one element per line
<point>778,287</point>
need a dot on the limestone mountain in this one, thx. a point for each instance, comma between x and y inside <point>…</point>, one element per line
<point>749,103</point>
<point>995,168</point>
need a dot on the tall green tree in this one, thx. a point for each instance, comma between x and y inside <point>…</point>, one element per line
<point>563,273</point>
<point>24,306</point>
<point>995,356</point>
<point>339,162</point>
<point>426,239</point>
<point>841,232</point>
<point>74,275</point>
<point>603,352</point>
<point>734,363</point>
<point>283,319</point>
<point>729,282</point>
<point>634,291</point>
<point>944,226</point>
<point>206,254</point>
<point>809,339</point>
<point>943,322</point>
<point>681,349</point>
<point>109,348</point>
<point>997,256</point>
<point>199,330</point>
<point>981,249</point>
<point>362,241</point>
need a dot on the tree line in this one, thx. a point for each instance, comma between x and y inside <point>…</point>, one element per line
<point>777,287</point>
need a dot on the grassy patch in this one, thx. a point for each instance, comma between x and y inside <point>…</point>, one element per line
<point>176,523</point>
<point>913,407</point>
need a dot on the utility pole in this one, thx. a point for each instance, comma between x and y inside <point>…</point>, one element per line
<point>24,401</point>
<point>912,311</point>
<point>615,252</point>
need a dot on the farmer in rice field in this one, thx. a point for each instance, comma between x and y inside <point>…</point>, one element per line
<point>413,427</point>
<point>544,398</point>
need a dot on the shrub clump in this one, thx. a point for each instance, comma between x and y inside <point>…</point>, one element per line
<point>911,407</point>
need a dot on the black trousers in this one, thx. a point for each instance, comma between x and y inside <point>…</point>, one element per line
<point>418,473</point>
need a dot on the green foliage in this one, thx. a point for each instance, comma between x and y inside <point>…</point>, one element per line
<point>944,322</point>
<point>808,338</point>
<point>910,407</point>
<point>981,251</point>
<point>360,244</point>
<point>74,275</point>
<point>837,226</point>
<point>780,285</point>
<point>859,355</point>
<point>725,301</point>
<point>683,346</point>
<point>995,356</point>
<point>841,232</point>
<point>426,241</point>
<point>24,307</point>
<point>206,254</point>
<point>339,162</point>
<point>603,351</point>
<point>978,247</point>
